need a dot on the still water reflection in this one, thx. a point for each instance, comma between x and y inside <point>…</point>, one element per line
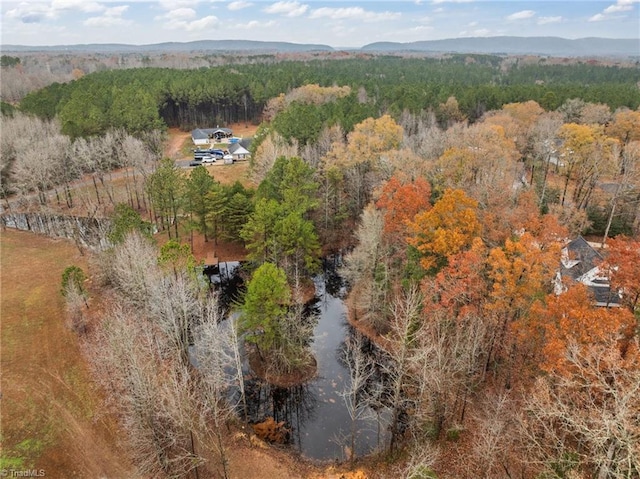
<point>316,412</point>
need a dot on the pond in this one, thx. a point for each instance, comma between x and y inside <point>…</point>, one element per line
<point>316,412</point>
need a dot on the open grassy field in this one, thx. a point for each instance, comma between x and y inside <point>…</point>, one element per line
<point>50,407</point>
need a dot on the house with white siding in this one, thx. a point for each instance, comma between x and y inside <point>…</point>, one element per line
<point>206,136</point>
<point>580,263</point>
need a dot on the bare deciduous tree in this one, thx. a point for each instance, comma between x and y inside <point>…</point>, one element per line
<point>493,436</point>
<point>366,269</point>
<point>588,416</point>
<point>133,269</point>
<point>217,356</point>
<point>405,353</point>
<point>151,391</point>
<point>360,366</point>
<point>271,148</point>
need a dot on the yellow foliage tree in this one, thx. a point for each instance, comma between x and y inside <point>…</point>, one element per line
<point>587,153</point>
<point>446,229</point>
<point>371,138</point>
<point>522,272</point>
<point>365,156</point>
<point>625,126</point>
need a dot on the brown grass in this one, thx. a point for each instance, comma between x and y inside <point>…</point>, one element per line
<point>51,417</point>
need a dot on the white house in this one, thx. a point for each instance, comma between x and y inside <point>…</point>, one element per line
<point>238,152</point>
<point>206,136</point>
<point>580,263</point>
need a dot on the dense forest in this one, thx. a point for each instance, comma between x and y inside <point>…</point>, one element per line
<point>448,188</point>
<point>146,98</point>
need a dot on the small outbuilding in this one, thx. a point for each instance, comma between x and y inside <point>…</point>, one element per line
<point>238,152</point>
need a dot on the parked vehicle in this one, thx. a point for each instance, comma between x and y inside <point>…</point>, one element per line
<point>208,159</point>
<point>195,163</point>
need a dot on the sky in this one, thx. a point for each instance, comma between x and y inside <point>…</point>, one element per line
<point>335,23</point>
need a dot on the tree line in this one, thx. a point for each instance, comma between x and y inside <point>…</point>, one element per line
<point>144,98</point>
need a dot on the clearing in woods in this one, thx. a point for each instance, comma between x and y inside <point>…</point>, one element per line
<point>50,407</point>
<point>179,146</point>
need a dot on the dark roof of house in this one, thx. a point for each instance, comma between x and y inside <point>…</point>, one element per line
<point>581,258</point>
<point>206,133</point>
<point>235,147</point>
<point>604,296</point>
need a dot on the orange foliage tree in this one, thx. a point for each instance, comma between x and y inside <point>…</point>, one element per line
<point>446,229</point>
<point>572,318</point>
<point>401,202</point>
<point>461,287</point>
<point>522,273</point>
<point>623,263</point>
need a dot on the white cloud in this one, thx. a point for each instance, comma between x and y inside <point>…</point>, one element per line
<point>185,19</point>
<point>176,4</point>
<point>353,13</point>
<point>116,11</point>
<point>81,5</point>
<point>202,24</point>
<point>239,5</point>
<point>256,24</point>
<point>521,15</point>
<point>289,9</point>
<point>111,17</point>
<point>436,2</point>
<point>179,14</point>
<point>32,12</point>
<point>473,24</point>
<point>618,7</point>
<point>621,6</point>
<point>547,20</point>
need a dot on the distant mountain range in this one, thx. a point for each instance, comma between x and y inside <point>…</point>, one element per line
<point>553,46</point>
<point>201,45</point>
